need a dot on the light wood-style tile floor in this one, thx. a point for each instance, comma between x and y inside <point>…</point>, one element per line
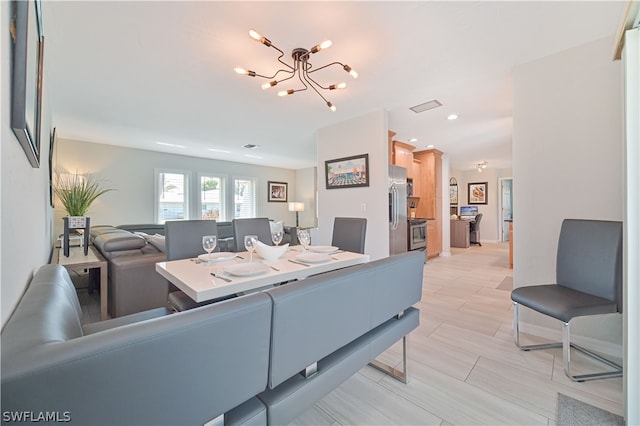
<point>463,365</point>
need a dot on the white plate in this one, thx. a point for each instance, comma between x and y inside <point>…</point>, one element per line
<point>313,257</point>
<point>246,269</point>
<point>217,257</point>
<point>323,249</point>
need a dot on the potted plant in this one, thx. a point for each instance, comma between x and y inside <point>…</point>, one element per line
<point>76,193</point>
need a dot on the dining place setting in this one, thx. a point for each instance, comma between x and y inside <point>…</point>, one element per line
<point>259,266</point>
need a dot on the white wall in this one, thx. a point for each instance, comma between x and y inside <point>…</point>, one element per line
<point>306,189</point>
<point>131,172</point>
<point>567,157</point>
<point>25,220</point>
<point>362,135</point>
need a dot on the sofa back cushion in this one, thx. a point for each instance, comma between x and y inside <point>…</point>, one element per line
<point>49,312</point>
<point>314,317</point>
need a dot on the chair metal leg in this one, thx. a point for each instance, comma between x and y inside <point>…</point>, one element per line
<point>400,375</point>
<point>566,349</point>
<point>516,330</point>
<point>566,346</point>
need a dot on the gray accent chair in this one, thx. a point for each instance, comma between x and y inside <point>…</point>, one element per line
<point>474,230</point>
<point>588,282</point>
<point>149,368</point>
<point>253,226</point>
<point>349,233</point>
<point>183,239</point>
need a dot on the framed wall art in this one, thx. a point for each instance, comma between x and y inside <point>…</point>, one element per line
<point>477,193</point>
<point>277,192</point>
<point>347,172</point>
<point>453,192</point>
<point>26,96</point>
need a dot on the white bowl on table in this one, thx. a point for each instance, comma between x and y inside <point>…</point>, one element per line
<point>271,252</point>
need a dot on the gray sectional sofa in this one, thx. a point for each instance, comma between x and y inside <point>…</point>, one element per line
<point>134,284</point>
<point>238,361</point>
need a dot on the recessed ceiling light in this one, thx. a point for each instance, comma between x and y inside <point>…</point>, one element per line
<point>252,156</point>
<point>173,145</point>
<point>431,146</point>
<point>219,150</point>
<point>452,117</point>
<point>413,140</point>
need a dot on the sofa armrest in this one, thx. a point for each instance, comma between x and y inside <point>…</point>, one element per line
<point>184,368</point>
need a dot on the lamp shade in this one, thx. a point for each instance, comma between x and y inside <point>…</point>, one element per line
<point>296,207</point>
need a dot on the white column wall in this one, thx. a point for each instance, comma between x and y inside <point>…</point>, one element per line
<point>567,160</point>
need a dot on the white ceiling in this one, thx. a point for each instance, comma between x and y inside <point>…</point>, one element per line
<point>137,73</point>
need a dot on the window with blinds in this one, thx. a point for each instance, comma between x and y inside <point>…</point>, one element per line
<point>172,196</point>
<point>212,205</point>
<point>244,198</point>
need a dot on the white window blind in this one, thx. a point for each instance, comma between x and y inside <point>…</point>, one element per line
<point>172,196</point>
<point>244,198</point>
<point>212,205</point>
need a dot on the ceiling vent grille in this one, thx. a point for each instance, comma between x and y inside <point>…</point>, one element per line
<point>426,106</point>
<point>250,146</point>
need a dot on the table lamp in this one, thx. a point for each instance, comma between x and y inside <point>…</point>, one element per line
<point>296,207</point>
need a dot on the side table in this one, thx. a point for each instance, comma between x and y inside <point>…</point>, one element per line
<point>77,260</point>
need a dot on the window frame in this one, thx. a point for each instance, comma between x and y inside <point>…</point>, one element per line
<point>156,192</point>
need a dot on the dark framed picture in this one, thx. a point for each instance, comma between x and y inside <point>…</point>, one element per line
<point>26,98</point>
<point>477,193</point>
<point>277,192</point>
<point>347,172</point>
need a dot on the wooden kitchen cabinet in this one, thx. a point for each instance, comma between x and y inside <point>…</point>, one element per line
<point>434,241</point>
<point>430,206</point>
<point>403,156</point>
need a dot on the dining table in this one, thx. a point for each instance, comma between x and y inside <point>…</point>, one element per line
<point>236,273</point>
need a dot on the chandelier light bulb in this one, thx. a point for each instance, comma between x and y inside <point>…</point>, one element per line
<point>351,71</point>
<point>240,70</point>
<point>331,106</point>
<point>255,35</point>
<point>318,47</point>
<point>268,85</point>
<point>285,92</point>
<point>342,85</point>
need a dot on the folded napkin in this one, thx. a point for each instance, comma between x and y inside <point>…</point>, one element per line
<point>270,252</point>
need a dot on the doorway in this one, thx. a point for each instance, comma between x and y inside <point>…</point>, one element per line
<point>506,207</point>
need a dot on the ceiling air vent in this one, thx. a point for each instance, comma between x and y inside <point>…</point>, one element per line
<point>426,106</point>
<point>250,146</point>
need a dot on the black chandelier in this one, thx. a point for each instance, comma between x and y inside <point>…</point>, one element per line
<point>301,68</point>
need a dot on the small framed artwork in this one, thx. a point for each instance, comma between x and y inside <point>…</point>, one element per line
<point>277,192</point>
<point>453,194</point>
<point>477,193</point>
<point>347,172</point>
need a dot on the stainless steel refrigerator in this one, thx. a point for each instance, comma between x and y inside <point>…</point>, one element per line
<point>397,209</point>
